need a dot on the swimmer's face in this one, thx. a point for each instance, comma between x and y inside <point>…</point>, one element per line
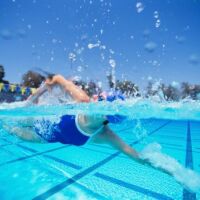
<point>50,77</point>
<point>48,80</point>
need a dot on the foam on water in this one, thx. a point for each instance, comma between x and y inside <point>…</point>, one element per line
<point>186,177</point>
<point>138,108</point>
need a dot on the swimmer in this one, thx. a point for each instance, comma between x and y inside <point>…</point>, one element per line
<point>81,129</point>
<point>67,86</point>
<point>72,129</point>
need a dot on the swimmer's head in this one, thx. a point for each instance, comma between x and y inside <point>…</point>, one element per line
<point>32,79</point>
<point>50,76</point>
<point>46,74</point>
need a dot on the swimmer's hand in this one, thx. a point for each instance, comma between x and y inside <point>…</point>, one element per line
<point>147,162</point>
<point>33,99</point>
<point>28,103</point>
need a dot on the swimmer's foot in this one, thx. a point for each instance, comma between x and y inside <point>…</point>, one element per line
<point>9,129</point>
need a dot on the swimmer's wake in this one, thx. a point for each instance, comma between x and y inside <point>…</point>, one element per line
<point>186,177</point>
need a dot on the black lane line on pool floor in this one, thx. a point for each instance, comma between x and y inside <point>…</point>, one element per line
<point>69,164</point>
<point>40,154</point>
<point>187,195</point>
<point>30,156</point>
<point>132,187</point>
<point>92,193</point>
<point>4,145</point>
<point>80,175</point>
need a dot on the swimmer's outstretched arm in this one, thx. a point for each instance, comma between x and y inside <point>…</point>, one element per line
<point>34,97</point>
<point>69,87</point>
<point>107,136</point>
<point>24,133</point>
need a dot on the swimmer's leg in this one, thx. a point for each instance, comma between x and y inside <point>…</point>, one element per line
<point>24,133</point>
<point>107,136</point>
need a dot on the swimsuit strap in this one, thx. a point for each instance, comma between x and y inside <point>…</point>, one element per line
<point>99,129</point>
<point>105,122</point>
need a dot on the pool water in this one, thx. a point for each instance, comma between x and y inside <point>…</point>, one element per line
<point>97,171</point>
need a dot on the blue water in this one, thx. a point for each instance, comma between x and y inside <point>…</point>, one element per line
<point>94,171</point>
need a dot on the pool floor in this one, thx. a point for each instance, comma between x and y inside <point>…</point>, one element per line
<point>94,171</point>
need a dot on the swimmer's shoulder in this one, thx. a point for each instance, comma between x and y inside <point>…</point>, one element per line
<point>60,79</point>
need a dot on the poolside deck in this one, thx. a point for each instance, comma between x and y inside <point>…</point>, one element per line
<point>55,171</point>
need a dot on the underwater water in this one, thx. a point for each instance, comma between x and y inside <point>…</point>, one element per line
<point>140,48</point>
<point>167,133</point>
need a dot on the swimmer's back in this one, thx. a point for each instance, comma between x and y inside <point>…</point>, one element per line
<point>77,93</point>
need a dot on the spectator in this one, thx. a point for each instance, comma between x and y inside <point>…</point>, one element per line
<point>2,74</point>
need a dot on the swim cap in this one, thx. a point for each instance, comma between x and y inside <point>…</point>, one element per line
<point>113,97</point>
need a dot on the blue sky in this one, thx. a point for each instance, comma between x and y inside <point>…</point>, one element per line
<point>147,38</point>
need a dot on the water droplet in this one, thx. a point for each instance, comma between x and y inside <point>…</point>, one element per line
<point>6,34</point>
<point>150,47</point>
<point>91,46</point>
<point>112,63</point>
<point>156,15</point>
<point>79,69</point>
<point>194,59</point>
<point>72,56</point>
<point>146,33</point>
<point>29,26</point>
<point>21,33</point>
<point>157,25</point>
<point>180,39</point>
<point>139,7</point>
<point>54,41</point>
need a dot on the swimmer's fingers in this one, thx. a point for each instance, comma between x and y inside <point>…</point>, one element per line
<point>34,97</point>
<point>9,129</point>
<point>147,162</point>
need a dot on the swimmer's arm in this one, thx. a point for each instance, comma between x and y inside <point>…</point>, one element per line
<point>51,81</point>
<point>56,79</point>
<point>69,87</point>
<point>60,80</point>
<point>109,137</point>
<point>34,97</point>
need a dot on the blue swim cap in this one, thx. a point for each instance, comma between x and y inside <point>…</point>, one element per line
<point>113,97</point>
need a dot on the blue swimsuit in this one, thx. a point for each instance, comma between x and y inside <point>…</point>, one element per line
<point>66,131</point>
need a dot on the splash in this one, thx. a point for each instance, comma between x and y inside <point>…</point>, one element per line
<point>134,108</point>
<point>186,177</point>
